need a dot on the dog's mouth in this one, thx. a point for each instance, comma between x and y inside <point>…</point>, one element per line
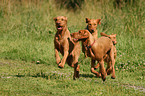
<point>114,42</point>
<point>59,27</point>
<point>91,30</point>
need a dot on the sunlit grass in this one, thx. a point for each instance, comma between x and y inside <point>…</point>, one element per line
<point>26,37</point>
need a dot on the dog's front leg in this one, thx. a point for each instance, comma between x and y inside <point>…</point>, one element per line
<point>57,56</point>
<point>92,68</point>
<point>76,66</point>
<point>97,66</point>
<point>66,49</point>
<point>84,49</point>
<point>76,71</point>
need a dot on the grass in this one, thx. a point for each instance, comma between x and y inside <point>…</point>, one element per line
<point>26,36</point>
<point>23,78</point>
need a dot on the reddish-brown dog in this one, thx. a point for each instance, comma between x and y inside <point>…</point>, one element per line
<point>64,44</point>
<point>100,47</point>
<point>106,57</point>
<point>92,28</point>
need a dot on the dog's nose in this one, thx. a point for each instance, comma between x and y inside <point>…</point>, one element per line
<point>114,42</point>
<point>92,30</point>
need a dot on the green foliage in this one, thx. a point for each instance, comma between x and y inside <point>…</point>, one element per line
<point>26,34</point>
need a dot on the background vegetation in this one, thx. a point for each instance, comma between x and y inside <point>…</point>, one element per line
<point>26,36</point>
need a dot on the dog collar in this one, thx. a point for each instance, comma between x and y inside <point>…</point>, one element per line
<point>90,45</point>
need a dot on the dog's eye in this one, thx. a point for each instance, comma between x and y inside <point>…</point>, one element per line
<point>62,19</point>
<point>95,24</point>
<point>89,24</point>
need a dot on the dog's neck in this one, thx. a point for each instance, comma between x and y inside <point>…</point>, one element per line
<point>61,33</point>
<point>91,39</point>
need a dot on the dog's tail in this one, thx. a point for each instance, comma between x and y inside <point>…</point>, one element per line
<point>103,34</point>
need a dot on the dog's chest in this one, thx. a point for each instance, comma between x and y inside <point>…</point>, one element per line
<point>59,43</point>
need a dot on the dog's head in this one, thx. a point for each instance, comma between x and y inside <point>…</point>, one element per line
<point>61,22</point>
<point>92,24</point>
<point>112,37</point>
<point>80,35</point>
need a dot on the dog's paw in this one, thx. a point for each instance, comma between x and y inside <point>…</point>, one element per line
<point>109,71</point>
<point>113,77</point>
<point>104,79</point>
<point>58,61</point>
<point>60,66</point>
<point>74,78</point>
<point>98,75</point>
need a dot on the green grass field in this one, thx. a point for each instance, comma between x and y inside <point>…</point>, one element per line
<point>27,30</point>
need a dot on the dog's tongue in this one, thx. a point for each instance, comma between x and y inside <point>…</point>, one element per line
<point>59,28</point>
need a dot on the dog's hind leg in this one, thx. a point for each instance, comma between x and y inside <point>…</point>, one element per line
<point>92,68</point>
<point>102,70</point>
<point>110,67</point>
<point>57,56</point>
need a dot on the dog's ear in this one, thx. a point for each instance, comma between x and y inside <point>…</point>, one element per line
<point>54,18</point>
<point>65,18</point>
<point>86,32</point>
<point>87,20</point>
<point>114,34</point>
<point>98,21</point>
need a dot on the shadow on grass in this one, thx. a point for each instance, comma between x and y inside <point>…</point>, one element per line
<point>19,75</point>
<point>54,75</point>
<point>88,75</point>
<point>44,75</point>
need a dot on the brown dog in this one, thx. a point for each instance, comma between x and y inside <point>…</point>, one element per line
<point>63,43</point>
<point>100,47</point>
<point>106,57</point>
<point>113,38</point>
<point>92,28</point>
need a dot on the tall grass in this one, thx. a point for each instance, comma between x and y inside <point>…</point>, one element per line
<point>26,35</point>
<point>27,28</point>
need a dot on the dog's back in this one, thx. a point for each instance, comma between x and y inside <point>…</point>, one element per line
<point>104,43</point>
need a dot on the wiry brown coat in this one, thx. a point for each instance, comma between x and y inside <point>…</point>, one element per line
<point>63,43</point>
<point>100,47</point>
<point>92,28</point>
